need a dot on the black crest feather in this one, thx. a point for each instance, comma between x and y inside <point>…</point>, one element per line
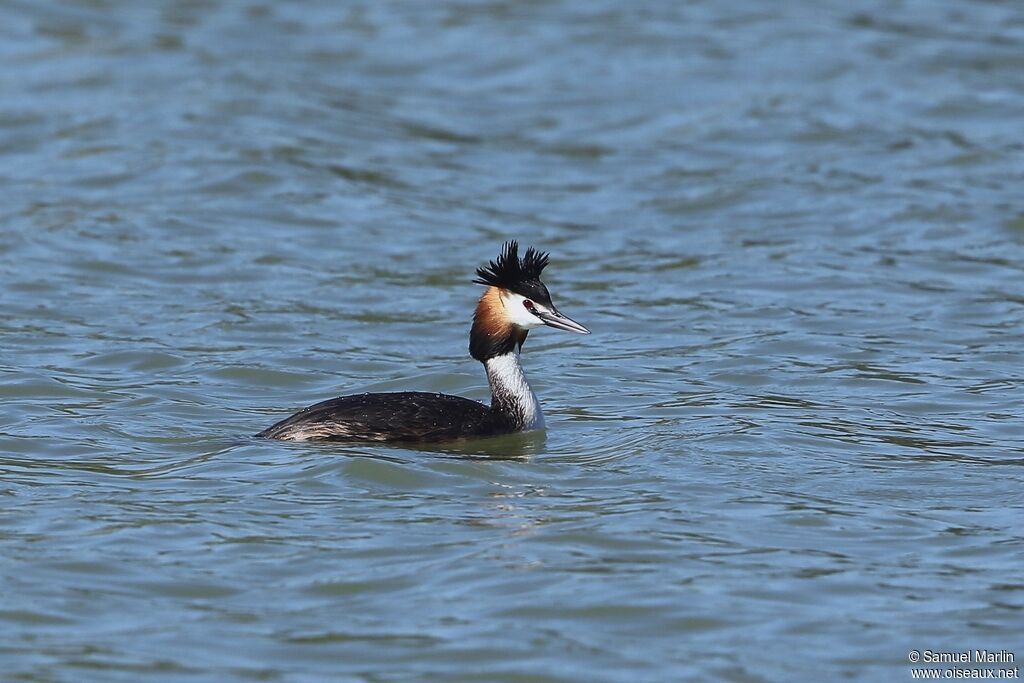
<point>509,271</point>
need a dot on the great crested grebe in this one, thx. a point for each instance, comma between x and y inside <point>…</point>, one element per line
<point>515,302</point>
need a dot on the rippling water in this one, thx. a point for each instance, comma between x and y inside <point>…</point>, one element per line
<point>791,450</point>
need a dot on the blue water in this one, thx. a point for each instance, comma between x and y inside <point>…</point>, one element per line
<point>790,450</point>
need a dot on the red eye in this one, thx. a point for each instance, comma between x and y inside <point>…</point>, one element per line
<point>528,304</point>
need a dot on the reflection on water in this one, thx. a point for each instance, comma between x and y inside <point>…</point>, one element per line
<point>789,451</point>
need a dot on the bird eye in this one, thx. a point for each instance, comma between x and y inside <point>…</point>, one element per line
<point>529,305</point>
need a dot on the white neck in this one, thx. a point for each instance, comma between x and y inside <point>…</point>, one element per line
<point>511,394</point>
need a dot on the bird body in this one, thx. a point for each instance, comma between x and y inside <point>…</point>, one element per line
<point>514,302</point>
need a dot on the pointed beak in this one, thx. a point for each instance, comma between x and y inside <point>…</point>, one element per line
<point>558,321</point>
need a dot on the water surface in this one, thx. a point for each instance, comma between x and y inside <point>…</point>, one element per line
<point>791,450</point>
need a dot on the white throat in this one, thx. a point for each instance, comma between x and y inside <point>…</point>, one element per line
<point>511,393</point>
